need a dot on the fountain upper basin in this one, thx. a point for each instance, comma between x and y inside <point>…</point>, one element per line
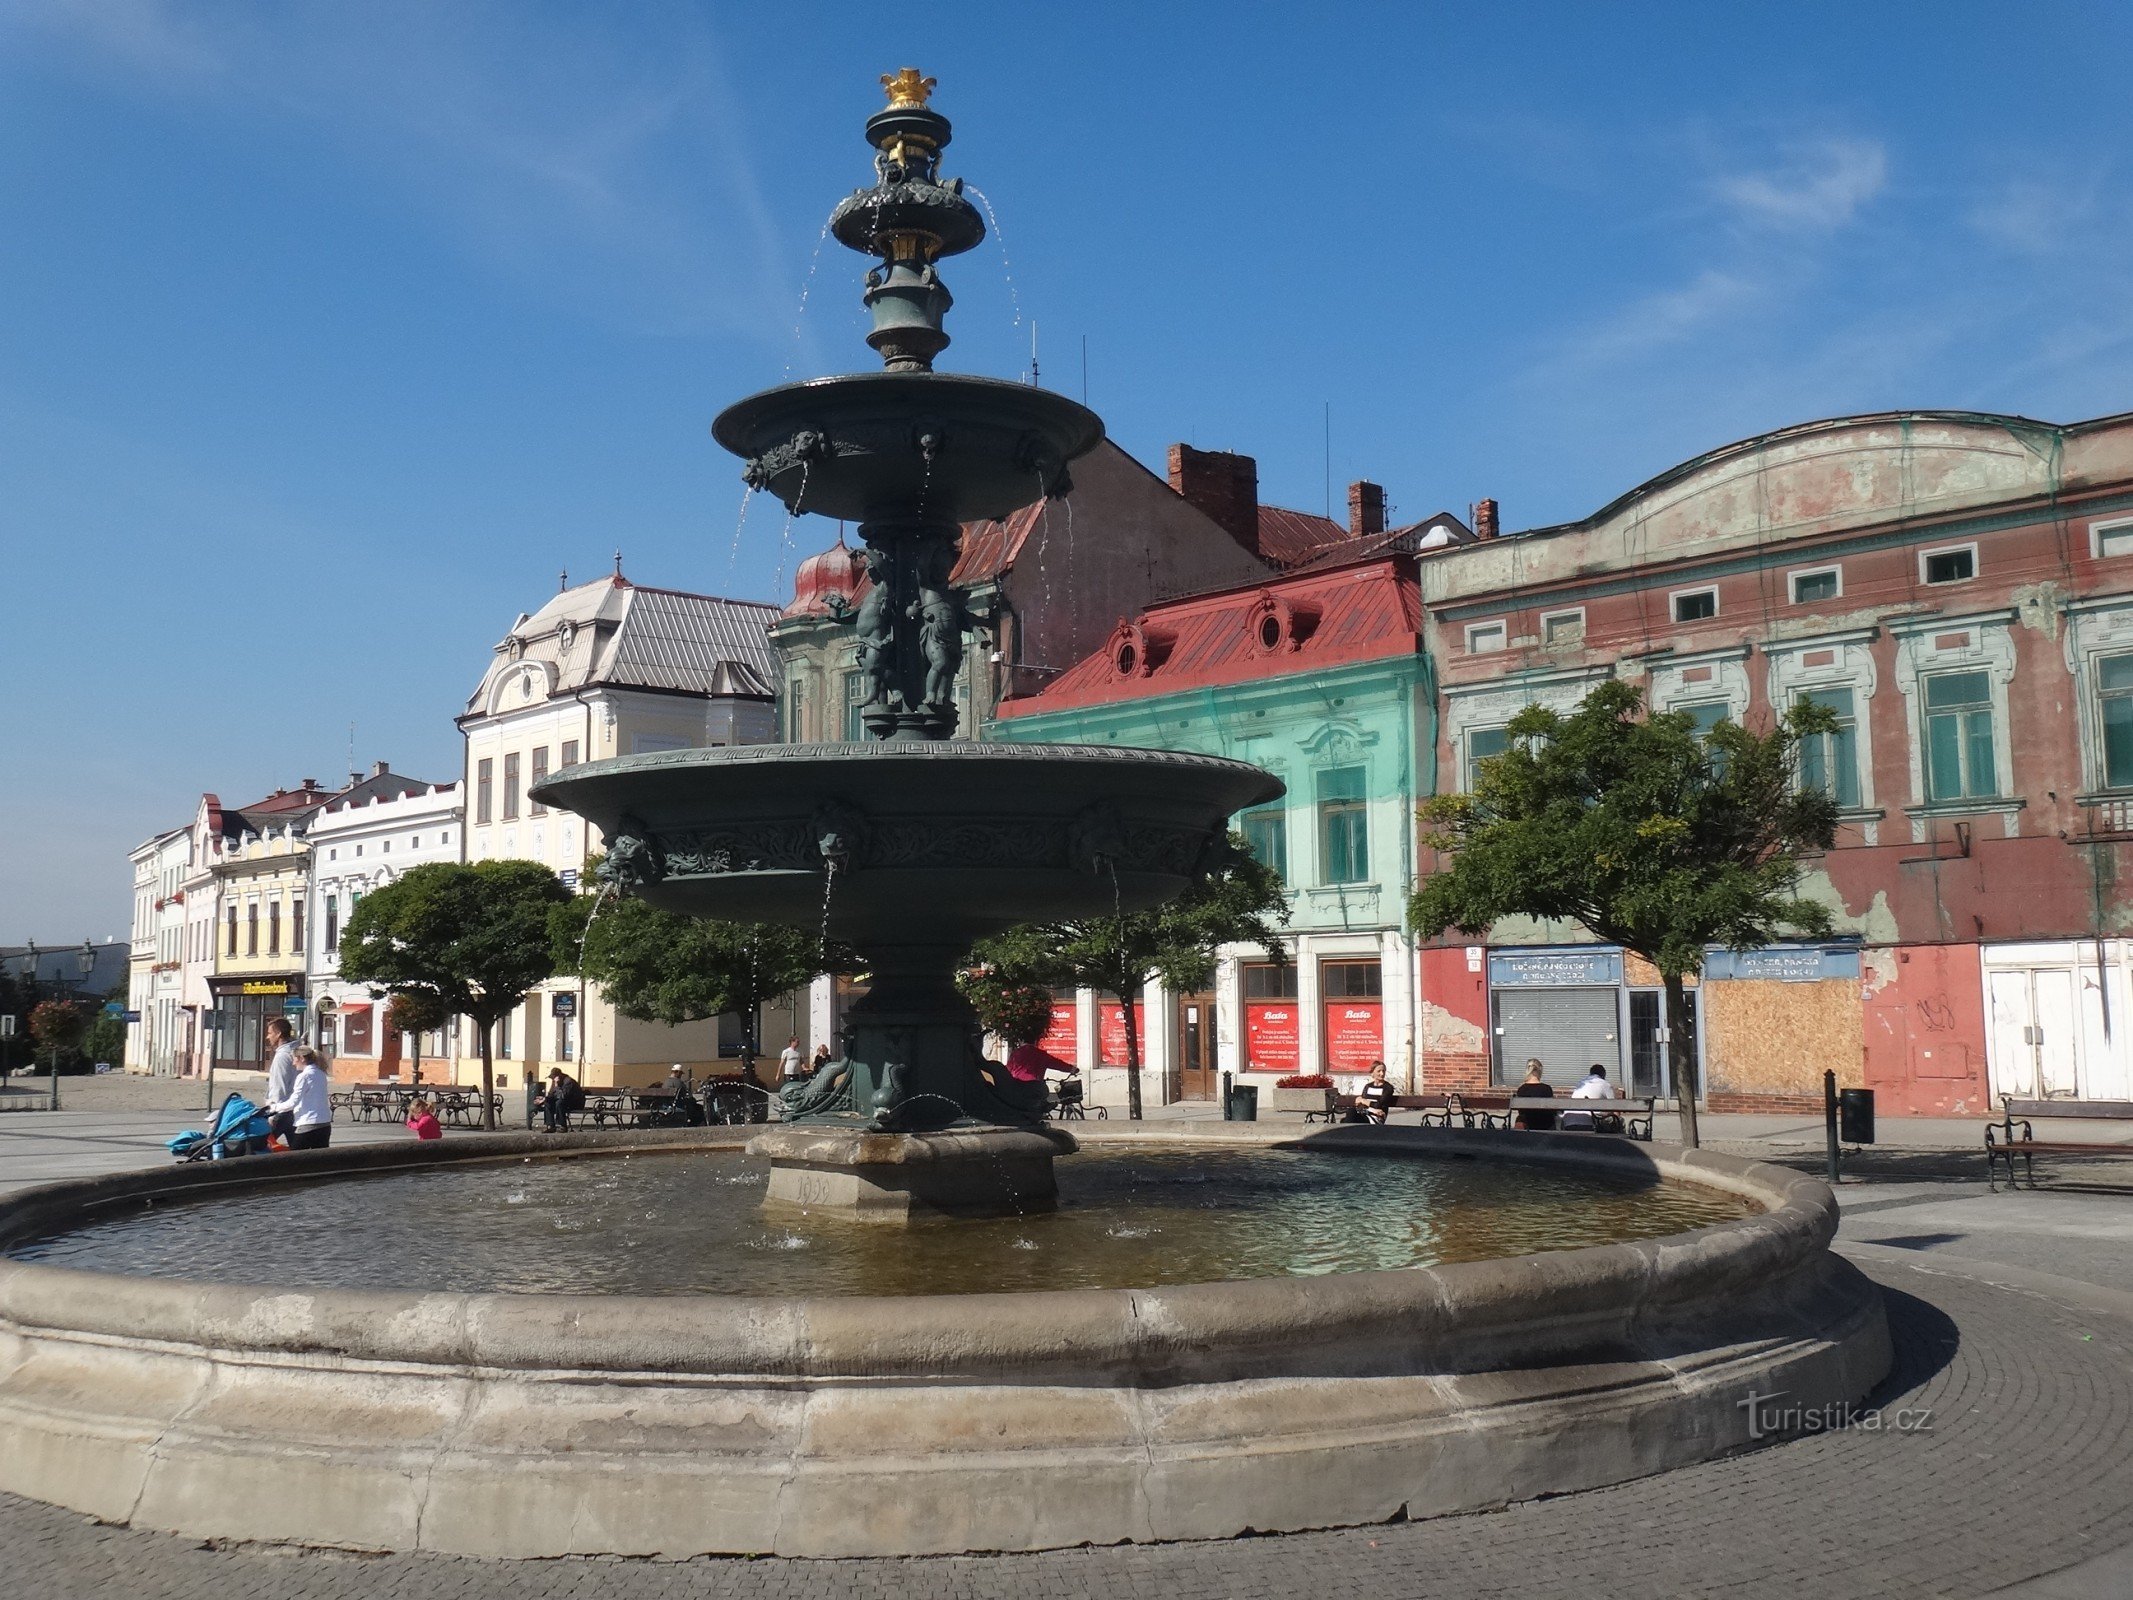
<point>936,842</point>
<point>899,445</point>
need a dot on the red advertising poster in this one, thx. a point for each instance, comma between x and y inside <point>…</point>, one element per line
<point>1062,1038</point>
<point>1111,1033</point>
<point>1270,1037</point>
<point>1355,1034</point>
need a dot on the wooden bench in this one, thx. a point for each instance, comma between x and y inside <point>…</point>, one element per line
<point>1628,1115</point>
<point>2001,1144</point>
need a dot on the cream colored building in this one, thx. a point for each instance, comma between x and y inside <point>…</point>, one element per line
<point>608,668</point>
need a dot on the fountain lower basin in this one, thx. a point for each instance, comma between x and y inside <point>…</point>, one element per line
<point>535,1425</point>
<point>892,1177</point>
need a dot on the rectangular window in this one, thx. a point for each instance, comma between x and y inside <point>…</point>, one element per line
<point>1482,743</point>
<point>857,686</point>
<point>274,927</point>
<point>540,771</point>
<point>792,711</point>
<point>1263,980</point>
<point>251,928</point>
<point>1351,980</point>
<point>1563,627</point>
<point>570,753</point>
<point>1694,605</point>
<point>565,1045</point>
<point>484,783</point>
<point>1482,637</point>
<point>333,922</point>
<point>1704,715</point>
<point>233,930</point>
<point>1266,830</point>
<point>2114,686</point>
<point>1818,583</point>
<point>501,1050</point>
<point>511,786</point>
<point>1830,761</point>
<point>296,927</point>
<point>2112,538</point>
<point>1949,566</point>
<point>1343,826</point>
<point>1958,713</point>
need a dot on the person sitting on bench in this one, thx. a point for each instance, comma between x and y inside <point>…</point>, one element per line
<point>1535,1085</point>
<point>1593,1086</point>
<point>1373,1102</point>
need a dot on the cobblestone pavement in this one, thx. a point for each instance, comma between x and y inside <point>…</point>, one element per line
<point>2026,1401</point>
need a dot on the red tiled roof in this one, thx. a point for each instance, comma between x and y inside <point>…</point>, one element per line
<point>1365,612</point>
<point>1290,538</point>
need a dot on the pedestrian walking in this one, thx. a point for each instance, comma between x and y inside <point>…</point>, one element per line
<point>792,1063</point>
<point>281,1076</point>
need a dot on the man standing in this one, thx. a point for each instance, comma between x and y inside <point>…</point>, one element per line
<point>792,1064</point>
<point>281,1078</point>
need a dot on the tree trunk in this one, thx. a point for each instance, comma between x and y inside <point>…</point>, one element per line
<point>488,1079</point>
<point>1133,1060</point>
<point>1680,1059</point>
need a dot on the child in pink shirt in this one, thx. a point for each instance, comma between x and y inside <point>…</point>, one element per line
<point>422,1120</point>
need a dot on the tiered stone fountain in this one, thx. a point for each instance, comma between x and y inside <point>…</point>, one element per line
<point>910,846</point>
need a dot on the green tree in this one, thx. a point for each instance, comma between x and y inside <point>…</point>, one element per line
<point>1238,902</point>
<point>662,966</point>
<point>1654,837</point>
<point>58,1025</point>
<point>415,1012</point>
<point>474,938</point>
<point>1018,1012</point>
<point>105,1040</point>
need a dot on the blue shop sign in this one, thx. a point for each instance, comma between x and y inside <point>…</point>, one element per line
<point>1785,963</point>
<point>1564,967</point>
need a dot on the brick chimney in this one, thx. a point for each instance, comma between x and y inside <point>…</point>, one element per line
<point>1366,508</point>
<point>1222,486</point>
<point>379,769</point>
<point>1484,519</point>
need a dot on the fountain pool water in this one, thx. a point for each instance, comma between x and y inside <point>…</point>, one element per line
<point>687,1223</point>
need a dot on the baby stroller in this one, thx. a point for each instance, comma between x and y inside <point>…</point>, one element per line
<point>240,1130</point>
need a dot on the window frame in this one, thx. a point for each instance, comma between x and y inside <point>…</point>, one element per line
<point>1352,813</point>
<point>1794,575</point>
<point>1925,556</point>
<point>1848,729</point>
<point>2101,695</point>
<point>2122,526</point>
<point>1572,614</point>
<point>485,790</point>
<point>537,772</point>
<point>1676,596</point>
<point>1966,736</point>
<point>1276,814</point>
<point>1500,627</point>
<point>510,800</point>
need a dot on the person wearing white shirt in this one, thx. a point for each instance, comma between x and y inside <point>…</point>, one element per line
<point>281,1074</point>
<point>308,1104</point>
<point>792,1064</point>
<point>1593,1086</point>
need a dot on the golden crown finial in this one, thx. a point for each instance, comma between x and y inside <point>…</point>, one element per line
<point>907,88</point>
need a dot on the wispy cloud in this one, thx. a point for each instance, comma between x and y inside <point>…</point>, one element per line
<point>2034,215</point>
<point>1818,186</point>
<point>609,169</point>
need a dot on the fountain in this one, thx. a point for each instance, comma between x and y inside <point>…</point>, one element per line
<point>570,1344</point>
<point>928,843</point>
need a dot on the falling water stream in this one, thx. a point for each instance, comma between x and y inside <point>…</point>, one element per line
<point>1007,268</point>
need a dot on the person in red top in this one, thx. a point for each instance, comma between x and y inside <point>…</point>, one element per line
<point>422,1120</point>
<point>1028,1063</point>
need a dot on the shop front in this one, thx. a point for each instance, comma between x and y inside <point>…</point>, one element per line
<point>1273,1031</point>
<point>1562,1007</point>
<point>243,1006</point>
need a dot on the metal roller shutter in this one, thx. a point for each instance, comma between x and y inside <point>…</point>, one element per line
<point>1568,1029</point>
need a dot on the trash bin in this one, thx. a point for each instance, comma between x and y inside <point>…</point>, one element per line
<point>1244,1103</point>
<point>1855,1116</point>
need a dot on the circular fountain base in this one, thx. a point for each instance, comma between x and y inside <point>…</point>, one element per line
<point>894,1177</point>
<point>549,1425</point>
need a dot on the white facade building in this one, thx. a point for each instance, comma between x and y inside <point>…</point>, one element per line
<point>604,669</point>
<point>155,1043</point>
<point>356,846</point>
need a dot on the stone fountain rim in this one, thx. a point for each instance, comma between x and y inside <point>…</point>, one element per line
<point>896,751</point>
<point>751,408</point>
<point>1190,1332</point>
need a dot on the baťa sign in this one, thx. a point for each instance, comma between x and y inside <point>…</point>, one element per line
<point>1271,1043</point>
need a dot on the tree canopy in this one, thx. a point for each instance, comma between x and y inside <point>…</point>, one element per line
<point>1018,1012</point>
<point>661,966</point>
<point>472,938</point>
<point>1239,901</point>
<point>1653,836</point>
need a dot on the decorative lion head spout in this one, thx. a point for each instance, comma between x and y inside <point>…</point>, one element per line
<point>840,835</point>
<point>1096,839</point>
<point>633,858</point>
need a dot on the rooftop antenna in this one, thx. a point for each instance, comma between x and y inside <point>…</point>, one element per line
<point>1084,369</point>
<point>354,777</point>
<point>1033,352</point>
<point>1329,460</point>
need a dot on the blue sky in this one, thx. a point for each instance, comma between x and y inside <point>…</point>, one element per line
<point>333,332</point>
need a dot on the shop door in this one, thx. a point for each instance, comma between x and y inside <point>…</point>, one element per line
<point>1648,1072</point>
<point>1566,1029</point>
<point>1196,1047</point>
<point>2032,1033</point>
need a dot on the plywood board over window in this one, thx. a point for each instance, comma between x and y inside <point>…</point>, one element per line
<point>1765,1036</point>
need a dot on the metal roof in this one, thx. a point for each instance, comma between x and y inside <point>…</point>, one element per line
<point>694,643</point>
